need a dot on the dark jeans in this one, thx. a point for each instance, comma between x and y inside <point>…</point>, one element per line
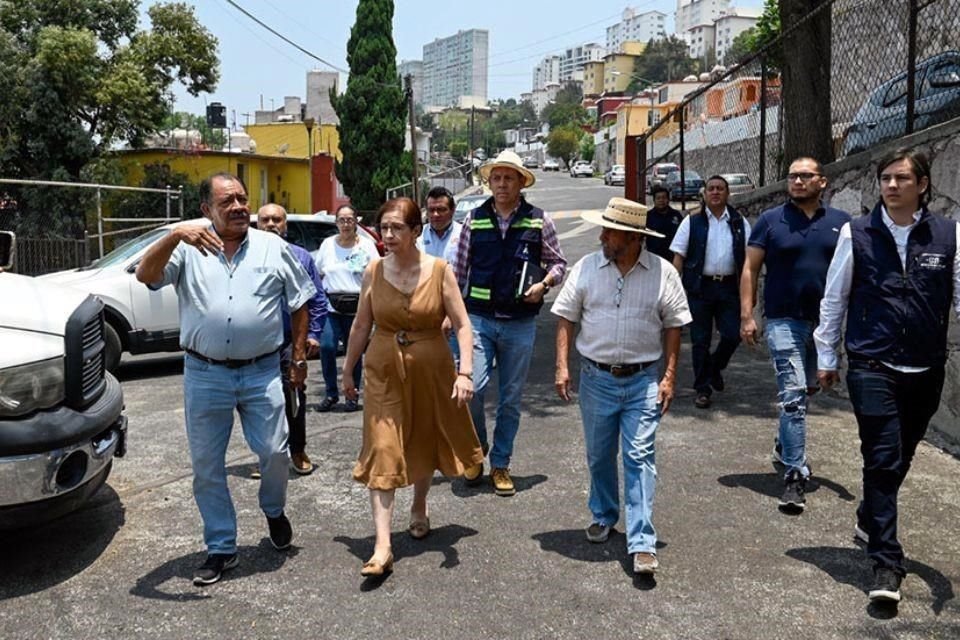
<point>716,303</point>
<point>298,422</point>
<point>893,410</point>
<point>336,330</point>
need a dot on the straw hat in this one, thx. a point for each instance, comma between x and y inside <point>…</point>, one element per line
<point>622,214</point>
<point>510,160</point>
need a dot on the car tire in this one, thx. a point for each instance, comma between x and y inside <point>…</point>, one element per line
<point>113,349</point>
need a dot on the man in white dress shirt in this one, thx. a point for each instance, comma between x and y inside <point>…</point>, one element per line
<point>630,306</point>
<point>894,274</point>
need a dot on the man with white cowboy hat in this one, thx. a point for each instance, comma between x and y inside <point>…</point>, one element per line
<point>630,305</point>
<point>507,258</point>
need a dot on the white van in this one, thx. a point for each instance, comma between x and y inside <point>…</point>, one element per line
<point>61,413</point>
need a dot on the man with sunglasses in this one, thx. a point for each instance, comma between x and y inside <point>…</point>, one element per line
<point>795,243</point>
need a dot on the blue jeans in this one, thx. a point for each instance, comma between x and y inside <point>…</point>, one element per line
<point>893,410</point>
<point>210,394</point>
<point>510,343</point>
<point>627,408</point>
<point>337,330</point>
<point>795,360</point>
<point>716,302</point>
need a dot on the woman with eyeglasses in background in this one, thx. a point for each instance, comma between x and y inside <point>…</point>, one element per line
<point>341,260</point>
<point>415,414</point>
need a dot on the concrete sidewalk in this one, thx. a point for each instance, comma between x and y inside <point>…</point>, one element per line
<point>732,566</point>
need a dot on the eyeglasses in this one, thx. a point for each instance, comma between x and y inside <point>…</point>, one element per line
<point>806,177</point>
<point>396,229</point>
<point>343,221</point>
<point>618,297</point>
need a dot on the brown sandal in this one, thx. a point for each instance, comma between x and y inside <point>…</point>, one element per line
<point>419,529</point>
<point>373,568</point>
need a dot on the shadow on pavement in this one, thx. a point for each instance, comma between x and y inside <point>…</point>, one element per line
<point>771,484</point>
<point>460,488</point>
<point>173,580</point>
<point>57,551</point>
<point>850,566</point>
<point>572,543</point>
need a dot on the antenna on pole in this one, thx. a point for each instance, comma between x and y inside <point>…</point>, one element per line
<point>408,81</point>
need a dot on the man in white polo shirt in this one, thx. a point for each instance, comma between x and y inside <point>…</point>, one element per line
<point>630,306</point>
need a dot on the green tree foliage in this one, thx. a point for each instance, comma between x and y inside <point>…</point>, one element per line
<point>768,29</point>
<point>78,78</point>
<point>564,142</point>
<point>662,60</point>
<point>566,108</point>
<point>587,148</point>
<point>740,48</point>
<point>372,110</point>
<point>158,175</point>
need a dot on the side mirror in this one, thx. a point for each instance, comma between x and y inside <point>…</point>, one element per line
<point>8,248</point>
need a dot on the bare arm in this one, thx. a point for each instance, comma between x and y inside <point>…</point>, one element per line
<point>671,352</point>
<point>748,293</point>
<point>150,269</point>
<point>564,335</point>
<point>359,333</point>
<point>299,320</point>
<point>678,262</point>
<point>457,314</point>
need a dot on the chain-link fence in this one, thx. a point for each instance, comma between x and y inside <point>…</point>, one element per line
<point>894,70</point>
<point>454,179</point>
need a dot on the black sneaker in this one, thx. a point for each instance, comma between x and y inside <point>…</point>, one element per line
<point>327,404</point>
<point>350,406</point>
<point>212,570</point>
<point>886,585</point>
<point>793,500</point>
<point>281,533</point>
<point>716,381</point>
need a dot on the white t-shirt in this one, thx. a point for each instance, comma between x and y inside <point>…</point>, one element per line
<point>342,269</point>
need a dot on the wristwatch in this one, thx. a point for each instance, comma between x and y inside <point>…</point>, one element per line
<point>300,364</point>
<point>546,287</point>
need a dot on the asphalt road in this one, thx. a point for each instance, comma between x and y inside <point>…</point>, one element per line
<point>732,566</point>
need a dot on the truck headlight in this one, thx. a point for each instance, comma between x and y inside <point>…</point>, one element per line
<point>30,387</point>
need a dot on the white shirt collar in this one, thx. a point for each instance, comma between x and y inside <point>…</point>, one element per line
<point>887,220</point>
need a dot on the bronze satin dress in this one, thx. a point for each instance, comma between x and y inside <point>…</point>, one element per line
<point>411,426</point>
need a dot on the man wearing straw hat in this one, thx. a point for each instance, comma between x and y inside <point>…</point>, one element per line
<point>630,305</point>
<point>507,258</point>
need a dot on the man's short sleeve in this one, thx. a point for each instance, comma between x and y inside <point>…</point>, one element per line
<point>569,302</point>
<point>682,239</point>
<point>171,271</point>
<point>674,307</point>
<point>760,232</point>
<point>297,285</point>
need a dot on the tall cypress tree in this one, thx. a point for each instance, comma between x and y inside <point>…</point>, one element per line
<point>371,110</point>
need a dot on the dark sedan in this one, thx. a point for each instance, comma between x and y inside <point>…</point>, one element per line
<point>685,189</point>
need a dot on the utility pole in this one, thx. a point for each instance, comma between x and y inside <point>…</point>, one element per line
<point>473,145</point>
<point>408,81</point>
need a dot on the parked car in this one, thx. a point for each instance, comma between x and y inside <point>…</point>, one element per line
<point>581,168</point>
<point>658,174</point>
<point>139,320</point>
<point>467,204</point>
<point>615,175</point>
<point>61,412</point>
<point>739,183</point>
<point>684,189</point>
<point>530,162</point>
<point>884,115</point>
<point>551,165</point>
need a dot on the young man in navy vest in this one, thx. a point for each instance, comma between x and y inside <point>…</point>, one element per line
<point>795,242</point>
<point>894,275</point>
<point>505,238</point>
<point>709,251</point>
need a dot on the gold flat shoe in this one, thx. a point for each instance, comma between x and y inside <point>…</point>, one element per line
<point>419,529</point>
<point>374,568</point>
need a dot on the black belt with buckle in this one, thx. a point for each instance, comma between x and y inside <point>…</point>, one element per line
<point>621,370</point>
<point>724,279</point>
<point>230,363</point>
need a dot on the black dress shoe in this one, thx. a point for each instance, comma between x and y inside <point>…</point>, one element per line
<point>702,401</point>
<point>716,381</point>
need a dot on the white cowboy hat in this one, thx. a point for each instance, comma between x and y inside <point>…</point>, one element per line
<point>510,160</point>
<point>622,214</point>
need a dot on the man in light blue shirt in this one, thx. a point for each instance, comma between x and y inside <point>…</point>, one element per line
<point>441,237</point>
<point>233,284</point>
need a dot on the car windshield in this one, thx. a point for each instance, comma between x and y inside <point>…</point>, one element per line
<point>125,251</point>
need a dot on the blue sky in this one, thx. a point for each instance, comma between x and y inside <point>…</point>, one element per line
<point>257,65</point>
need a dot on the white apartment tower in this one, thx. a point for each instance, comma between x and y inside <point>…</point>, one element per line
<point>547,72</point>
<point>454,67</point>
<point>694,23</point>
<point>573,59</point>
<point>636,27</point>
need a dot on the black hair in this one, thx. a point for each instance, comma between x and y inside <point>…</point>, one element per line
<point>443,192</point>
<point>918,163</point>
<point>206,186</point>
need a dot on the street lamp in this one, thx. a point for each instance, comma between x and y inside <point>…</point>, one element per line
<point>308,123</point>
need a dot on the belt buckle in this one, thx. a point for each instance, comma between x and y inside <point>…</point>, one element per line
<point>618,371</point>
<point>717,278</point>
<point>402,338</point>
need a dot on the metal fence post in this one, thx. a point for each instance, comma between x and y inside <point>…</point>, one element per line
<point>763,120</point>
<point>167,198</point>
<point>911,63</point>
<point>683,174</point>
<point>99,222</point>
<point>180,198</point>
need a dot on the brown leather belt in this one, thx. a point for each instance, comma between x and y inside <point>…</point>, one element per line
<point>621,370</point>
<point>402,339</point>
<point>230,363</point>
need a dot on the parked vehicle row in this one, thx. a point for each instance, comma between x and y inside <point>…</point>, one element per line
<point>581,168</point>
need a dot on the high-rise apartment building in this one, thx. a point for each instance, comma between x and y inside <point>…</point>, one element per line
<point>547,72</point>
<point>636,27</point>
<point>455,66</point>
<point>730,24</point>
<point>574,58</point>
<point>692,13</point>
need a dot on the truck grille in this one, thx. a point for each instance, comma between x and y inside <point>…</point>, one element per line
<point>84,373</point>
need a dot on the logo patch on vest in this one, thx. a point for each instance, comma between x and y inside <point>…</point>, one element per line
<point>932,261</point>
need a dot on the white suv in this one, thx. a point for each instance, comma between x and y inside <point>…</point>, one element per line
<point>140,320</point>
<point>581,168</point>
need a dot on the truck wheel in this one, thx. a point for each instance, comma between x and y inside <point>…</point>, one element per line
<point>111,353</point>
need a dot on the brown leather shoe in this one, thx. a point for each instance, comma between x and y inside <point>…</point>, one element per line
<point>502,482</point>
<point>702,401</point>
<point>645,563</point>
<point>372,567</point>
<point>301,463</point>
<point>473,474</point>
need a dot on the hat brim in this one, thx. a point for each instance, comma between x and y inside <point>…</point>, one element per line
<point>597,217</point>
<point>528,177</point>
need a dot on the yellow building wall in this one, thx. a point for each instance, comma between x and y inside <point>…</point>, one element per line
<point>623,65</point>
<point>632,120</point>
<point>593,74</point>
<point>633,48</point>
<point>281,180</point>
<point>289,139</point>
